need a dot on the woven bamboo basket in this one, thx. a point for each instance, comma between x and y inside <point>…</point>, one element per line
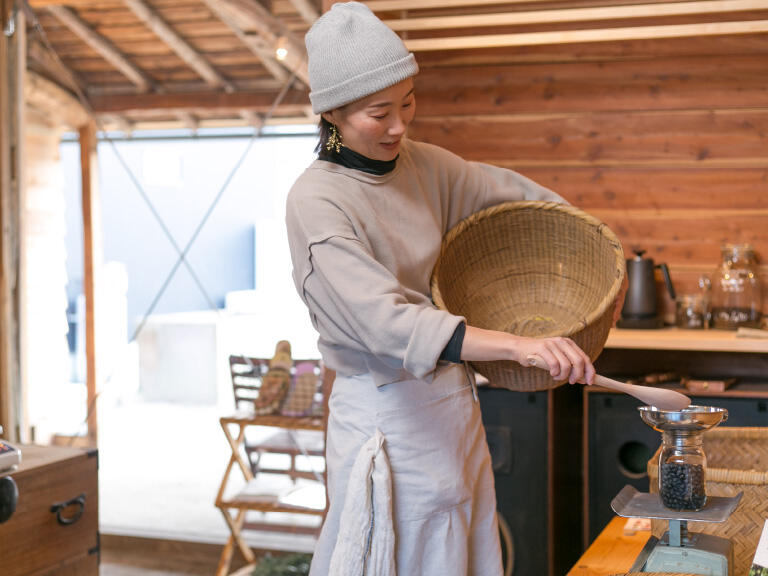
<point>534,269</point>
<point>737,461</point>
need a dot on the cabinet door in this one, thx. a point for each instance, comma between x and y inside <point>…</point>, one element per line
<point>55,525</point>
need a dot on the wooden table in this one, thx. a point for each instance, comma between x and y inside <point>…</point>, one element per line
<point>612,552</point>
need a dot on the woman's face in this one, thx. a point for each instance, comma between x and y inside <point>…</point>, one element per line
<point>375,125</point>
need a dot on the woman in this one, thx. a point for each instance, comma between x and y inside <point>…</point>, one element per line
<point>365,225</point>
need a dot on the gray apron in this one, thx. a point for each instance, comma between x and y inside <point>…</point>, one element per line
<point>444,503</point>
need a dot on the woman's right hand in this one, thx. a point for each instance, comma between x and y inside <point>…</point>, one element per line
<point>565,359</point>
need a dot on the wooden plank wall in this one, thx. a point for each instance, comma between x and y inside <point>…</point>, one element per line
<point>666,141</point>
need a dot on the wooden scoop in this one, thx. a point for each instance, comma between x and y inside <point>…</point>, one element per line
<point>661,398</point>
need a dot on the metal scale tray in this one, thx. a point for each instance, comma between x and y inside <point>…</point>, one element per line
<point>630,503</point>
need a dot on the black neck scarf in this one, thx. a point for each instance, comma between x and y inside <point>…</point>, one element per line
<point>351,159</point>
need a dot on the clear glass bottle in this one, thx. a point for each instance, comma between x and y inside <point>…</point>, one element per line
<point>736,298</point>
<point>682,471</point>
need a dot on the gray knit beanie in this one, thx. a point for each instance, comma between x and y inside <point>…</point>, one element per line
<point>352,54</point>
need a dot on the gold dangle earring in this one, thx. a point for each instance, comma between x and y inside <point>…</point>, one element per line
<point>334,141</point>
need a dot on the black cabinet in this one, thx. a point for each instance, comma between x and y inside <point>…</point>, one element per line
<point>538,487</point>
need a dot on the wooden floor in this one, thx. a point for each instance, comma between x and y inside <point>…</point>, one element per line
<point>131,556</point>
<point>122,570</point>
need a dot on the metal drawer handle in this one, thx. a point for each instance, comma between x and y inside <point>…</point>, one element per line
<point>61,506</point>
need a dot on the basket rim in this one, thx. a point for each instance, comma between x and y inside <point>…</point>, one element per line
<point>511,206</point>
<point>727,475</point>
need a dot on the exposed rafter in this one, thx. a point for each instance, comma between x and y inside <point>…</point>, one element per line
<point>255,44</point>
<point>252,18</point>
<point>306,10</point>
<point>252,119</point>
<point>188,120</point>
<point>102,45</point>
<point>311,116</point>
<point>49,64</point>
<point>293,102</point>
<point>116,122</point>
<point>182,49</point>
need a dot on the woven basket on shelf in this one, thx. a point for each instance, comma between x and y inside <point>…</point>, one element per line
<point>532,269</point>
<point>737,461</point>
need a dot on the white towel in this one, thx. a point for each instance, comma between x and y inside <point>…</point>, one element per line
<point>366,539</point>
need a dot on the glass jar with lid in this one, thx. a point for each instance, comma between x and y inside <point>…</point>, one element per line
<point>736,297</point>
<point>682,471</point>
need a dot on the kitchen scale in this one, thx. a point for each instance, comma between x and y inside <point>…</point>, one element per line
<point>679,551</point>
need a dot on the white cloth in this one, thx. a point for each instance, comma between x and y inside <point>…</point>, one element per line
<point>366,540</point>
<point>443,496</point>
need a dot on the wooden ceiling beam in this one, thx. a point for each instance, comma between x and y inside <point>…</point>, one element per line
<point>182,49</point>
<point>252,119</point>
<point>253,19</point>
<point>188,120</point>
<point>116,122</point>
<point>255,44</point>
<point>306,10</point>
<point>40,4</point>
<point>590,35</point>
<point>576,14</point>
<point>261,102</point>
<point>311,116</point>
<point>102,46</point>
<point>39,58</point>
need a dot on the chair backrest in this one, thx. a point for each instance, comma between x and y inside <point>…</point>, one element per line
<point>247,373</point>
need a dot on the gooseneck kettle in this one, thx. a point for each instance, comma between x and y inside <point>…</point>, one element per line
<point>640,304</point>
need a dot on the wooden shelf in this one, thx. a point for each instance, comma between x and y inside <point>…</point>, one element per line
<point>679,339</point>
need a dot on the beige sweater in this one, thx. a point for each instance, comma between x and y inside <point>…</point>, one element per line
<point>363,247</point>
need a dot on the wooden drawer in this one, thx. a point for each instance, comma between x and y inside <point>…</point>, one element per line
<point>36,541</point>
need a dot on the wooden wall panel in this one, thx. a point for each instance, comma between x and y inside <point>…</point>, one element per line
<point>649,83</point>
<point>607,137</point>
<point>650,187</point>
<point>666,141</point>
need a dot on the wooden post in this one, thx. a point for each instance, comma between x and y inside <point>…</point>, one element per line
<point>9,185</point>
<point>91,264</point>
<point>7,420</point>
<point>19,121</point>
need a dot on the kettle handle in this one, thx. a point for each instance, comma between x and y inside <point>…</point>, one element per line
<point>668,281</point>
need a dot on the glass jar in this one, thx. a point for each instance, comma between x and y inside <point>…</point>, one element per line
<point>736,298</point>
<point>691,311</point>
<point>682,471</point>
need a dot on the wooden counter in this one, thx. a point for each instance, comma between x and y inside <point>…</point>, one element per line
<point>612,552</point>
<point>679,339</point>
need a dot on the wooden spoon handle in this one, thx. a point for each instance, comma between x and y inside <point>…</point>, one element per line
<point>659,397</point>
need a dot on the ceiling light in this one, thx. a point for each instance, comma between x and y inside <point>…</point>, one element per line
<point>281,48</point>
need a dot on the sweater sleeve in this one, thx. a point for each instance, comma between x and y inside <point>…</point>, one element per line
<point>472,186</point>
<point>358,304</point>
<point>355,302</point>
<point>496,185</point>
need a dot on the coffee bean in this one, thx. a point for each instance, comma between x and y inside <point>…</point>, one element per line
<point>682,486</point>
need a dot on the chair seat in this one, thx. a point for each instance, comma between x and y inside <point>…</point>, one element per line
<point>285,441</point>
